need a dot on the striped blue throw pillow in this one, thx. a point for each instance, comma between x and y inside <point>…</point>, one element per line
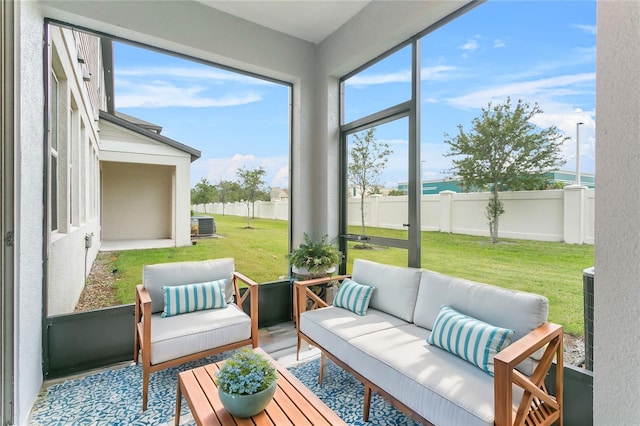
<point>470,339</point>
<point>181,299</point>
<point>353,296</point>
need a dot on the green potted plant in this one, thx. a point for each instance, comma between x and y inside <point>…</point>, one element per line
<point>315,258</point>
<point>246,383</point>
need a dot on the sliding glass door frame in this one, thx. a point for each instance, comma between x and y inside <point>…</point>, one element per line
<point>411,110</point>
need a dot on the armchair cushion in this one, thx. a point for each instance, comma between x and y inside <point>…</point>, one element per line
<point>182,299</point>
<point>198,331</point>
<point>154,277</point>
<point>470,339</point>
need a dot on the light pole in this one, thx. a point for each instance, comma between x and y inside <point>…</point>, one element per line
<point>421,177</point>
<point>578,152</point>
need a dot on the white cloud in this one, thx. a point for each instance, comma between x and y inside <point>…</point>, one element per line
<point>217,169</point>
<point>435,73</point>
<point>498,43</point>
<point>374,79</point>
<point>549,94</point>
<point>471,45</point>
<point>590,29</point>
<point>161,94</point>
<point>204,73</point>
<point>532,91</point>
<point>281,178</point>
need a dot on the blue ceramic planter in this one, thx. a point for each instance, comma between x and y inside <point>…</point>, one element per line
<point>243,406</point>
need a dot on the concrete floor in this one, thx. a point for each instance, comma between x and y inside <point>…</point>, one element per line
<point>280,341</point>
<point>119,245</point>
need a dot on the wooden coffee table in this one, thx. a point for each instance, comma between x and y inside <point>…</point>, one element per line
<point>293,403</point>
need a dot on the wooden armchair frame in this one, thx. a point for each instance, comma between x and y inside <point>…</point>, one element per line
<point>142,339</point>
<point>302,293</point>
<point>537,406</point>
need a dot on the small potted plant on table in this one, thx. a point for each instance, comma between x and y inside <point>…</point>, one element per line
<point>246,383</point>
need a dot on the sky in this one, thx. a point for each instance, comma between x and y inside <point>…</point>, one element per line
<point>540,52</point>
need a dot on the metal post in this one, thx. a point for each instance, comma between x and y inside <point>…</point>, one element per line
<point>578,180</point>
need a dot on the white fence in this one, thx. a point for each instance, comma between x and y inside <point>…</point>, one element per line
<point>555,215</point>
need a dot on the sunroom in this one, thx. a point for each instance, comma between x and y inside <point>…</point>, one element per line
<point>225,33</point>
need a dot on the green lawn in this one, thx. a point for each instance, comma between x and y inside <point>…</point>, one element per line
<point>551,269</point>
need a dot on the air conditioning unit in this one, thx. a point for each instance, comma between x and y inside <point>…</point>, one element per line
<point>202,226</point>
<point>589,295</point>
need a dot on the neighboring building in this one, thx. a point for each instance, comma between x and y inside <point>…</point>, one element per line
<point>562,177</point>
<point>145,182</point>
<point>278,194</point>
<point>111,176</point>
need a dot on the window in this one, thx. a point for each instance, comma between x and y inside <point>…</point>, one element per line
<point>53,151</point>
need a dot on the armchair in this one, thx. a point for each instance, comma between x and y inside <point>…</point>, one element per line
<point>166,341</point>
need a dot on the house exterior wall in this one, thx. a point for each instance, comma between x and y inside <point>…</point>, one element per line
<point>167,194</point>
<point>77,165</point>
<point>136,201</point>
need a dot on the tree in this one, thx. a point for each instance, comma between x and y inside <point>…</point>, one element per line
<point>504,151</point>
<point>203,193</point>
<point>251,187</point>
<point>368,160</point>
<point>396,193</point>
<point>228,191</point>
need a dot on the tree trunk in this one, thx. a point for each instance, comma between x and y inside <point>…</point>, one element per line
<point>362,213</point>
<point>494,210</point>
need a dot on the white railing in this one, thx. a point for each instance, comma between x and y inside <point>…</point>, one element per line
<point>554,215</point>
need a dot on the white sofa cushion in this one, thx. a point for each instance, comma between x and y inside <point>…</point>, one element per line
<point>333,327</point>
<point>442,388</point>
<point>187,334</point>
<point>154,277</point>
<point>515,310</point>
<point>396,287</point>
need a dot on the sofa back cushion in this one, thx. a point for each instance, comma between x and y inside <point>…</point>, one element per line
<point>519,311</point>
<point>154,277</point>
<point>515,310</point>
<point>396,288</point>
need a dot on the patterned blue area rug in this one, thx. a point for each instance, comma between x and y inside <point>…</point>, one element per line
<point>114,397</point>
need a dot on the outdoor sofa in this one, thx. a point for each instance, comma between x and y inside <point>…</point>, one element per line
<point>389,346</point>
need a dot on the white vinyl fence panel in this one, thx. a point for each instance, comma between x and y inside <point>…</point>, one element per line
<point>554,215</point>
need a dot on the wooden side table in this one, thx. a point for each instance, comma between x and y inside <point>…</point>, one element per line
<point>293,403</point>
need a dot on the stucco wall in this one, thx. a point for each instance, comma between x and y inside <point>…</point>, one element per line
<point>69,264</point>
<point>29,215</point>
<point>617,269</point>
<point>136,201</point>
